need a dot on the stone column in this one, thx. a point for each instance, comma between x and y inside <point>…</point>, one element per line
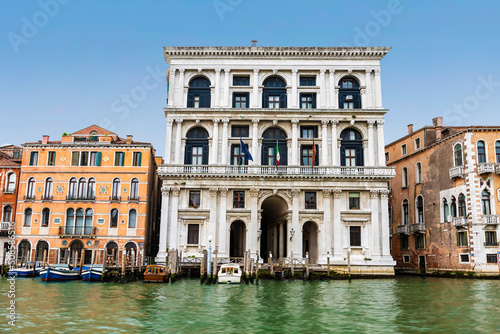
<point>226,102</point>
<point>363,98</point>
<point>338,244</point>
<point>327,223</point>
<point>374,230</point>
<point>335,150</point>
<point>252,243</point>
<point>173,228</point>
<point>178,142</point>
<point>371,142</point>
<point>255,142</point>
<point>180,95</point>
<point>384,225</point>
<point>295,145</point>
<point>171,88</point>
<point>324,143</point>
<point>334,91</point>
<point>378,90</point>
<point>212,223</point>
<point>366,158</point>
<point>322,89</point>
<point>297,239</point>
<point>368,85</point>
<point>295,97</point>
<point>276,241</point>
<point>168,141</point>
<point>380,143</point>
<point>223,227</point>
<point>255,93</point>
<point>217,88</point>
<point>214,152</point>
<point>282,240</point>
<point>225,130</point>
<point>163,246</point>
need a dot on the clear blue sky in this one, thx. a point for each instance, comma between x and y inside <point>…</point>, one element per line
<point>68,66</point>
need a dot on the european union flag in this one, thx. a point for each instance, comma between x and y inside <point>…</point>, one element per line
<point>244,150</point>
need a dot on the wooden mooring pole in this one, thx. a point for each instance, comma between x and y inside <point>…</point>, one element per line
<point>82,256</point>
<point>257,268</point>
<point>307,265</point>
<point>328,263</point>
<point>44,257</point>
<point>291,264</point>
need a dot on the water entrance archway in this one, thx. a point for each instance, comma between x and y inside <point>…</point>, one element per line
<point>274,228</point>
<point>237,239</point>
<point>310,241</point>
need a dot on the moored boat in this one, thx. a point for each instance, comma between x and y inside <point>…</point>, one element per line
<point>26,270</point>
<point>92,273</point>
<point>155,273</point>
<point>229,274</point>
<point>59,274</point>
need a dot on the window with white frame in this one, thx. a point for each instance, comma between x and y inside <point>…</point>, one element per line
<point>418,172</point>
<point>403,149</point>
<point>11,183</point>
<point>464,258</point>
<point>420,209</point>
<point>417,144</point>
<point>457,155</point>
<point>481,152</point>
<point>404,175</point>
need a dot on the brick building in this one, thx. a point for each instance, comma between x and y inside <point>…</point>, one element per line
<point>445,198</point>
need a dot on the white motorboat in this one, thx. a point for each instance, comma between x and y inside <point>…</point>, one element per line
<point>229,274</point>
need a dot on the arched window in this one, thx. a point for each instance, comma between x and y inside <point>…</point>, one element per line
<point>27,217</point>
<point>131,251</point>
<point>420,209</point>
<point>111,252</point>
<point>30,191</point>
<point>351,148</point>
<point>458,155</point>
<point>405,212</point>
<point>274,142</point>
<point>115,193</point>
<point>349,94</point>
<point>199,93</point>
<point>462,211</point>
<point>88,221</point>
<point>196,147</point>
<point>45,217</point>
<point>7,213</point>
<point>404,175</point>
<point>82,188</point>
<point>70,221</point>
<point>132,218</point>
<point>72,188</point>
<point>11,183</point>
<point>114,218</point>
<point>79,227</point>
<point>418,172</point>
<point>274,93</point>
<point>48,189</point>
<point>497,151</point>
<point>134,188</point>
<point>446,210</point>
<point>91,189</point>
<point>453,207</point>
<point>481,152</point>
<point>485,202</point>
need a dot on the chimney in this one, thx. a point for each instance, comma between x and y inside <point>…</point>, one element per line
<point>437,122</point>
<point>45,139</point>
<point>129,139</point>
<point>410,129</point>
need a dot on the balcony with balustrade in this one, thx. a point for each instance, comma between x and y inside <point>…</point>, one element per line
<point>418,228</point>
<point>497,169</point>
<point>77,231</point>
<point>403,229</point>
<point>489,219</point>
<point>485,168</point>
<point>460,221</point>
<point>457,172</point>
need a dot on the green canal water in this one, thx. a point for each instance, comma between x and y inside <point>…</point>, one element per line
<point>400,305</point>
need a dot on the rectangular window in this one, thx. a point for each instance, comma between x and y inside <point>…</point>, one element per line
<point>194,199</point>
<point>355,235</point>
<point>491,258</point>
<point>241,81</point>
<point>308,131</point>
<point>274,101</point>
<point>238,199</point>
<point>237,157</point>
<point>51,158</point>
<point>306,155</point>
<point>307,101</point>
<point>119,158</point>
<point>307,81</point>
<point>464,258</point>
<point>386,156</point>
<point>240,100</point>
<point>84,158</point>
<point>417,144</point>
<point>136,159</point>
<point>197,155</point>
<point>34,159</point>
<point>419,241</point>
<point>238,131</point>
<point>196,100</point>
<point>406,258</point>
<point>491,238</point>
<point>95,159</point>
<point>348,105</point>
<point>350,157</point>
<point>403,149</point>
<point>404,242</point>
<point>270,155</point>
<point>75,158</point>
<point>462,239</point>
<point>354,201</point>
<point>193,234</point>
<point>310,200</point>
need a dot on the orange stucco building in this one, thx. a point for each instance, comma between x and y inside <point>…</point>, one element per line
<point>91,190</point>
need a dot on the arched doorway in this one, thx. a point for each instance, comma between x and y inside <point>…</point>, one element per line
<point>237,239</point>
<point>75,252</point>
<point>41,247</point>
<point>310,241</point>
<point>112,252</point>
<point>23,251</point>
<point>274,228</point>
<point>131,252</point>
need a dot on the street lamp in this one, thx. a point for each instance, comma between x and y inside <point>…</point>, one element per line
<point>210,256</point>
<point>292,233</point>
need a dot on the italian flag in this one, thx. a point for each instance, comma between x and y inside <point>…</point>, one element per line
<point>278,158</point>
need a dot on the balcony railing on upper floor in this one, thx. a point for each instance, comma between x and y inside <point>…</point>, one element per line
<point>403,229</point>
<point>77,231</point>
<point>457,172</point>
<point>74,197</point>
<point>485,168</point>
<point>497,168</point>
<point>272,171</point>
<point>4,226</point>
<point>418,228</point>
<point>460,221</point>
<point>489,219</point>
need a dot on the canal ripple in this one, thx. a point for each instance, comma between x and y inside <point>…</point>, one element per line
<point>400,305</point>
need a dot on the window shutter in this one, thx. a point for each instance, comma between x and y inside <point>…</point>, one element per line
<point>265,100</point>
<point>283,153</point>
<point>265,155</point>
<point>300,100</point>
<point>248,100</point>
<point>466,236</point>
<point>205,155</point>
<point>74,158</point>
<point>283,100</point>
<point>314,100</point>
<point>342,156</point>
<point>98,159</point>
<point>458,238</point>
<point>139,158</point>
<point>234,100</point>
<point>359,156</point>
<point>315,131</point>
<point>357,101</point>
<point>205,99</point>
<point>190,100</point>
<point>188,158</point>
<point>317,155</point>
<point>122,159</point>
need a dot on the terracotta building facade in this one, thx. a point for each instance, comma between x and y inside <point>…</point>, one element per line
<point>445,198</point>
<point>91,191</point>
